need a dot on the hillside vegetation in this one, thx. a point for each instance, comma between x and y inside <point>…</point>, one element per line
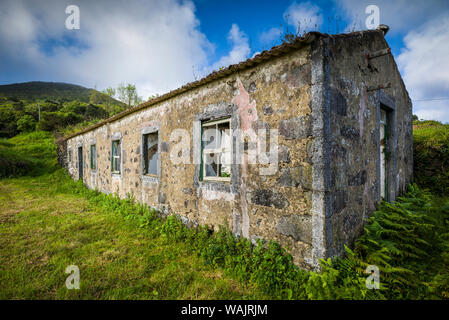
<point>431,155</point>
<point>53,91</point>
<point>60,106</point>
<point>30,154</point>
<point>44,229</point>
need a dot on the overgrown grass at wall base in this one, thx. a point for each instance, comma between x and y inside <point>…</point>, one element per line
<point>266,266</point>
<point>408,240</point>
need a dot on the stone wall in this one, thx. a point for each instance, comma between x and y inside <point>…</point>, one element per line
<point>272,95</point>
<point>352,106</point>
<point>322,99</point>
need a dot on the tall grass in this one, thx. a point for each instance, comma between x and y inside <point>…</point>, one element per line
<point>28,154</point>
<point>431,155</point>
<point>407,240</point>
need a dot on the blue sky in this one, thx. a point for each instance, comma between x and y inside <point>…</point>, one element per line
<point>160,45</point>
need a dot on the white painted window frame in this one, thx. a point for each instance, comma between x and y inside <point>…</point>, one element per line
<point>146,165</point>
<point>204,151</point>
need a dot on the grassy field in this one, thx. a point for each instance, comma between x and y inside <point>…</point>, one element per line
<point>126,251</point>
<point>45,226</point>
<point>43,230</point>
<point>431,155</point>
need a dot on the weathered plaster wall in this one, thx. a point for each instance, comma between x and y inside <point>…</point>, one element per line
<point>352,134</point>
<point>273,95</point>
<point>320,99</point>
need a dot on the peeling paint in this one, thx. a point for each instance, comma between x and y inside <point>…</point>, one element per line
<point>248,115</point>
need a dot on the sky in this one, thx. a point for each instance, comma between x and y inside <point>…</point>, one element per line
<point>159,45</point>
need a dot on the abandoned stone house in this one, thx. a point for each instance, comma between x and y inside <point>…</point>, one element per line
<point>331,111</point>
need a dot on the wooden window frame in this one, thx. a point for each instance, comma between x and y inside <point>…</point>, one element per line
<point>221,150</point>
<point>93,157</point>
<point>145,164</point>
<point>119,156</point>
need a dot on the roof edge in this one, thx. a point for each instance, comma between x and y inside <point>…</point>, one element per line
<point>265,55</point>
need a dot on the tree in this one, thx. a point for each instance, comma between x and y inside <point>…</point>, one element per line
<point>109,92</point>
<point>95,112</point>
<point>75,106</point>
<point>94,97</point>
<point>26,123</point>
<point>8,121</point>
<point>128,94</point>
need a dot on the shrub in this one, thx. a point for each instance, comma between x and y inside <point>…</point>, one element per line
<point>431,155</point>
<point>26,123</point>
<point>27,154</point>
<point>12,164</point>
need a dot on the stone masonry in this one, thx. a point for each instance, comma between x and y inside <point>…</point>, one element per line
<point>319,96</point>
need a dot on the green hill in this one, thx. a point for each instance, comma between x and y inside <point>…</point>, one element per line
<point>52,106</point>
<point>55,91</point>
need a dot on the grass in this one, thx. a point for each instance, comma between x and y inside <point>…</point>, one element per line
<point>27,154</point>
<point>44,229</point>
<point>431,155</point>
<point>48,222</point>
<point>124,250</point>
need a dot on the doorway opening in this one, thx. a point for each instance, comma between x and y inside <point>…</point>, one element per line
<point>387,152</point>
<point>383,137</point>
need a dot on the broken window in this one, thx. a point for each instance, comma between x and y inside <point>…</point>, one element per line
<point>150,153</point>
<point>216,150</point>
<point>93,157</point>
<point>115,159</point>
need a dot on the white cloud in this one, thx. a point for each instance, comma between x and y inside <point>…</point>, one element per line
<point>268,37</point>
<point>153,44</point>
<point>304,17</point>
<point>240,48</point>
<point>432,110</point>
<point>424,65</point>
<point>399,15</point>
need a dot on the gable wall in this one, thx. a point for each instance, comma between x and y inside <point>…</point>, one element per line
<point>352,134</point>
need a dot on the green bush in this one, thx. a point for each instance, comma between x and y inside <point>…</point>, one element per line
<point>12,165</point>
<point>431,155</point>
<point>27,154</point>
<point>408,240</point>
<point>50,121</point>
<point>26,123</point>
